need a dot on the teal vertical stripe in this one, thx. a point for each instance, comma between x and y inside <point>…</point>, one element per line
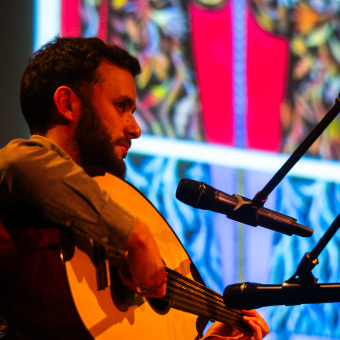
<point>240,100</point>
<point>239,71</point>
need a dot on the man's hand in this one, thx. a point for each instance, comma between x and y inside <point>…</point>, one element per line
<point>256,323</point>
<point>142,269</point>
<point>219,331</point>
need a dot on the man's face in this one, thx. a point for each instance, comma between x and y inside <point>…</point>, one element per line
<point>104,133</point>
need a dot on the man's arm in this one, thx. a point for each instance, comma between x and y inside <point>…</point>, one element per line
<point>143,268</point>
<point>39,175</point>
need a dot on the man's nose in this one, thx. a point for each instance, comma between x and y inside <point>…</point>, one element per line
<point>132,128</point>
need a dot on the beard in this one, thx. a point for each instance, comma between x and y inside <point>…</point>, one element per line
<point>94,144</point>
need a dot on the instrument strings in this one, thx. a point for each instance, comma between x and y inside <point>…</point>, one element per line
<point>191,296</point>
<point>198,299</point>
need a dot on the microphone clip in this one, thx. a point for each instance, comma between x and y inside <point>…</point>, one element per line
<point>303,274</point>
<point>244,212</point>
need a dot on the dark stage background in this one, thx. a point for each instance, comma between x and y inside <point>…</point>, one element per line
<point>16,41</point>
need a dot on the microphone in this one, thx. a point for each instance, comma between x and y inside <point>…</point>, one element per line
<point>253,295</point>
<point>203,196</point>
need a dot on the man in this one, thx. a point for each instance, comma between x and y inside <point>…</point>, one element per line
<point>78,97</point>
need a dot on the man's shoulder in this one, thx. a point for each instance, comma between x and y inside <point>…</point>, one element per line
<point>15,145</point>
<point>22,150</point>
<point>34,141</point>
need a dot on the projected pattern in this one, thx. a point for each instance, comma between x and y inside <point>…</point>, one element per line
<point>312,28</point>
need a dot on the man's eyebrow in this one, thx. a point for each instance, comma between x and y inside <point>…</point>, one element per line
<point>128,100</point>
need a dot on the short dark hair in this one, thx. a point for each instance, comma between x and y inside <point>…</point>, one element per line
<point>67,61</point>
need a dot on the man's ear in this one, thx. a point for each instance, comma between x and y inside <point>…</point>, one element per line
<point>67,103</point>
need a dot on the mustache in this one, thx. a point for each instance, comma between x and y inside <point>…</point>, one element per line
<point>126,140</point>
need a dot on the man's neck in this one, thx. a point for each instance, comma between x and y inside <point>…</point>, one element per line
<point>63,138</point>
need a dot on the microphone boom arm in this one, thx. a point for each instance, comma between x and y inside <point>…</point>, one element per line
<point>303,274</point>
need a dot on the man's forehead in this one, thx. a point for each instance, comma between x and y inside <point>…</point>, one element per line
<point>106,69</point>
<point>116,81</point>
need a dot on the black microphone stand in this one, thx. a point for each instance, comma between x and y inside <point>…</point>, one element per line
<point>303,280</point>
<point>303,275</point>
<point>261,197</point>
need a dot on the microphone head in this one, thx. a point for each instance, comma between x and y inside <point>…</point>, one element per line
<point>241,295</point>
<point>195,194</point>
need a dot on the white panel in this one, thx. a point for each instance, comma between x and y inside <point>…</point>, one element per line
<point>46,21</point>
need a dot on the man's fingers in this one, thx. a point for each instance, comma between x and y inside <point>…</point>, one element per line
<point>256,323</point>
<point>256,328</point>
<point>124,273</point>
<point>144,262</point>
<point>149,287</point>
<point>158,291</point>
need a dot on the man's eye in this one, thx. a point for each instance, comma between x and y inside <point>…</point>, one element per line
<point>121,106</point>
